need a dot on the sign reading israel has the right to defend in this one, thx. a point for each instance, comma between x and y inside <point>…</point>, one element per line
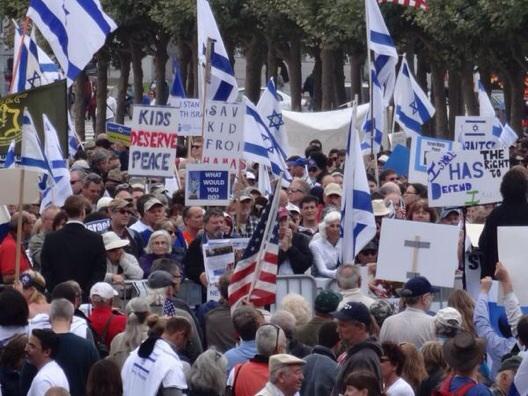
<point>153,141</point>
<point>466,177</point>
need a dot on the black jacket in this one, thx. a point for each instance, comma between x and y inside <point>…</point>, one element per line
<point>73,253</point>
<point>299,255</point>
<point>507,214</point>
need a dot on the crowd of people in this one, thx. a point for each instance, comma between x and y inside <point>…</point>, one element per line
<point>71,323</point>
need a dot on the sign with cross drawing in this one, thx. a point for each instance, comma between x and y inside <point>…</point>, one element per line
<point>409,248</point>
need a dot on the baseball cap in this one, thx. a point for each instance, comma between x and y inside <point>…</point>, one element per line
<point>416,287</point>
<point>333,189</point>
<point>250,175</point>
<point>296,161</point>
<point>151,202</point>
<point>293,208</point>
<point>245,194</point>
<point>354,311</point>
<point>103,202</point>
<point>512,363</point>
<point>159,279</point>
<point>327,301</point>
<point>383,158</point>
<point>119,203</point>
<point>447,211</point>
<point>104,290</point>
<point>449,316</point>
<point>283,359</point>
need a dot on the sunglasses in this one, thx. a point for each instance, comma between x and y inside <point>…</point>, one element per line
<point>124,211</point>
<point>313,169</point>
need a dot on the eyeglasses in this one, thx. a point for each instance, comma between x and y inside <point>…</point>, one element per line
<point>293,190</point>
<point>72,182</point>
<point>195,147</point>
<point>124,212</point>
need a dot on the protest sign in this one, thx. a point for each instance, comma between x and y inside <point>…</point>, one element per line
<point>396,138</point>
<point>98,226</point>
<point>11,180</point>
<point>511,244</point>
<point>466,177</point>
<point>475,133</point>
<point>219,257</point>
<point>153,141</point>
<point>399,160</point>
<point>118,133</point>
<point>473,232</point>
<point>207,185</point>
<point>189,116</point>
<point>420,146</point>
<point>223,133</point>
<point>409,248</point>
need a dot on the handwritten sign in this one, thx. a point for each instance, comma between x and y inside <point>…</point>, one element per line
<point>118,133</point>
<point>420,146</point>
<point>466,177</point>
<point>189,116</point>
<point>207,185</point>
<point>153,141</point>
<point>475,133</point>
<point>223,133</point>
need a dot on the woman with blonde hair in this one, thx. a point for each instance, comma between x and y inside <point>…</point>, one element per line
<point>33,286</point>
<point>435,365</point>
<point>413,371</point>
<point>464,304</point>
<point>296,305</point>
<point>326,246</point>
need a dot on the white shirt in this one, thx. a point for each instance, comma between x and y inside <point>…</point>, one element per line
<point>412,325</point>
<point>139,227</point>
<point>78,326</point>
<point>326,256</point>
<point>354,295</point>
<point>145,376</point>
<point>400,388</point>
<point>49,375</point>
<point>8,332</point>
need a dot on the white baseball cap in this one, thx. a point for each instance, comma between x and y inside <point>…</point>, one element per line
<point>104,290</point>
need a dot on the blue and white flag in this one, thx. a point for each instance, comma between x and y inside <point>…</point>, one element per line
<point>358,225</point>
<point>73,139</point>
<point>270,109</point>
<point>412,107</point>
<point>74,29</point>
<point>61,189</point>
<point>177,89</point>
<point>374,122</point>
<point>380,42</point>
<point>223,85</point>
<point>10,157</point>
<point>50,70</point>
<point>505,135</point>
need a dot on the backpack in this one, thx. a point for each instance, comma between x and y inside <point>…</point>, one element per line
<point>100,340</point>
<point>445,385</point>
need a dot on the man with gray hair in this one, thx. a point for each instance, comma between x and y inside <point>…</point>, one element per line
<point>247,378</point>
<point>349,281</point>
<point>286,321</point>
<point>286,376</point>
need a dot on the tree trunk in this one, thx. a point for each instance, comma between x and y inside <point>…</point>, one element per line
<point>421,73</point>
<point>254,62</point>
<point>137,68</point>
<point>341,93</point>
<point>356,64</point>
<point>294,68</point>
<point>439,100</point>
<point>317,81</point>
<point>79,106</point>
<point>122,86</point>
<point>272,63</point>
<point>468,89</point>
<point>456,104</point>
<point>101,91</point>
<point>186,65</point>
<point>516,78</point>
<point>507,94</point>
<point>328,78</point>
<point>160,63</point>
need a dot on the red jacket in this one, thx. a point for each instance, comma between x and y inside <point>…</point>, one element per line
<point>251,376</point>
<point>99,316</point>
<point>8,257</point>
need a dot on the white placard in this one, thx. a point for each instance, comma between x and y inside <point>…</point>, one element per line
<point>466,177</point>
<point>207,185</point>
<point>475,133</point>
<point>511,244</point>
<point>154,118</point>
<point>398,138</point>
<point>219,257</point>
<point>189,116</point>
<point>223,133</point>
<point>410,248</point>
<point>420,146</point>
<point>9,193</point>
<point>473,232</point>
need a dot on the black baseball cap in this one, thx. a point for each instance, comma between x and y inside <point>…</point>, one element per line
<point>354,311</point>
<point>416,287</point>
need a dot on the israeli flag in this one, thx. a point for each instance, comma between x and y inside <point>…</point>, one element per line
<point>358,225</point>
<point>61,189</point>
<point>260,145</point>
<point>177,89</point>
<point>223,85</point>
<point>73,139</point>
<point>74,29</point>
<point>50,70</point>
<point>374,122</point>
<point>9,162</point>
<point>270,109</point>
<point>381,43</point>
<point>505,135</point>
<point>412,107</point>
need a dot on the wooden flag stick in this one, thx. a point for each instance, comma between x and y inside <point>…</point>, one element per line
<point>18,255</point>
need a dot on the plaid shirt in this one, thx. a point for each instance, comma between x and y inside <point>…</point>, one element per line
<point>247,231</point>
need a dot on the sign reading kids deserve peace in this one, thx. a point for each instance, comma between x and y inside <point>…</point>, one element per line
<point>466,177</point>
<point>153,141</point>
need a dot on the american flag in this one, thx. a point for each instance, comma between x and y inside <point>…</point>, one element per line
<point>255,275</point>
<point>409,3</point>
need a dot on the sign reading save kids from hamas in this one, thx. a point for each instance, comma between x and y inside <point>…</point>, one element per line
<point>466,177</point>
<point>153,141</point>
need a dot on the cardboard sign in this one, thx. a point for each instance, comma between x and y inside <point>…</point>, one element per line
<point>9,194</point>
<point>420,146</point>
<point>223,133</point>
<point>475,133</point>
<point>511,243</point>
<point>219,257</point>
<point>153,141</point>
<point>466,177</point>
<point>189,116</point>
<point>118,133</point>
<point>207,185</point>
<point>409,248</point>
<point>399,160</point>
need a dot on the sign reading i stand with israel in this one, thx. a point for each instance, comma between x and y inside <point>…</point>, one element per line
<point>153,141</point>
<point>207,185</point>
<point>420,146</point>
<point>410,248</point>
<point>189,117</point>
<point>118,133</point>
<point>224,127</point>
<point>466,177</point>
<point>475,133</point>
